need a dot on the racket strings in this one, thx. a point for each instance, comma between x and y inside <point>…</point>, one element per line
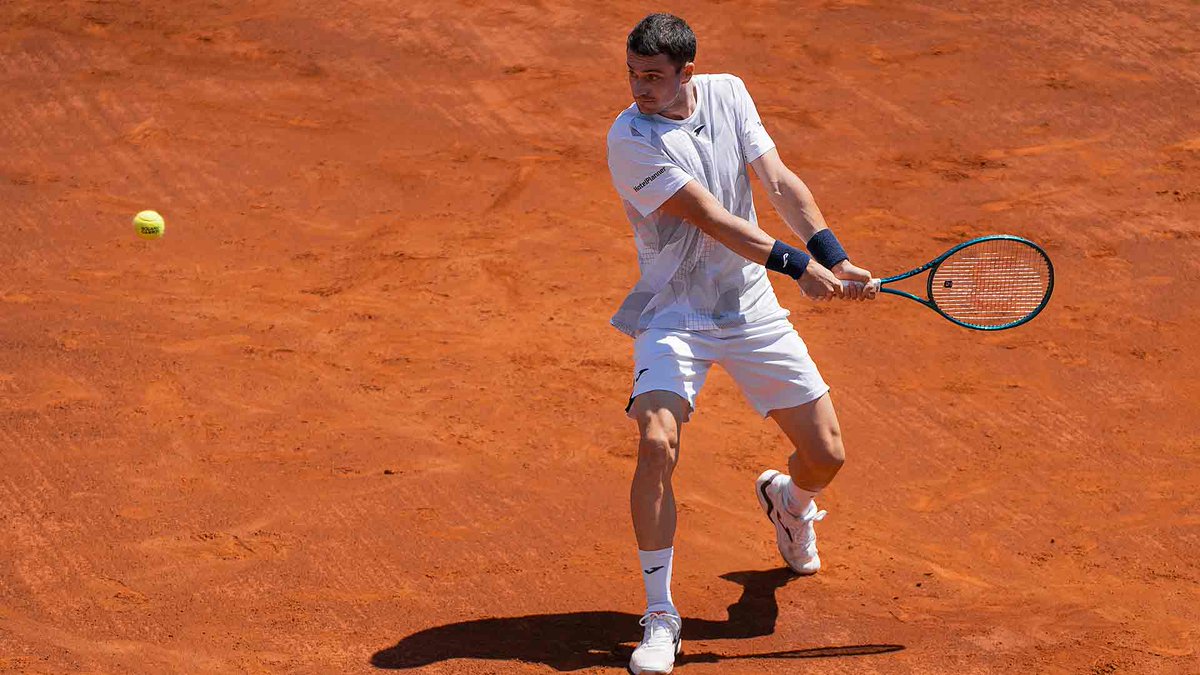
<point>992,283</point>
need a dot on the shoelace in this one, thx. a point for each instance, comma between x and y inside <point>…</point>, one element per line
<point>662,626</point>
<point>813,517</point>
<point>805,519</point>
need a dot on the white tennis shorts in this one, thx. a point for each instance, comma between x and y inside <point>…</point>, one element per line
<point>769,362</point>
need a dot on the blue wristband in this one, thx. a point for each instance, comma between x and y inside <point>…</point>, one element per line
<point>827,249</point>
<point>787,260</point>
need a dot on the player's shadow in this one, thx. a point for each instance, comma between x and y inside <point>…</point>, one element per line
<point>577,640</point>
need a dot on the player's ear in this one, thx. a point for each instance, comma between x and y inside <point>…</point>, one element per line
<point>686,73</point>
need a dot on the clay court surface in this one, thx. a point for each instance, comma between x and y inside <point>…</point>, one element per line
<point>360,409</point>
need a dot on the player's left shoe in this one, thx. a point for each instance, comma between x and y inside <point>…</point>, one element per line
<point>795,535</point>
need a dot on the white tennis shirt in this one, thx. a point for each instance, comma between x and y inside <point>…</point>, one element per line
<point>689,281</point>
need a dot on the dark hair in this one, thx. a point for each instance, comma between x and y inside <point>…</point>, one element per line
<point>663,34</point>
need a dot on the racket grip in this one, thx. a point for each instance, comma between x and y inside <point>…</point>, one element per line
<point>872,286</point>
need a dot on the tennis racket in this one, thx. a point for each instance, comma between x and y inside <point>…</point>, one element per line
<point>989,283</point>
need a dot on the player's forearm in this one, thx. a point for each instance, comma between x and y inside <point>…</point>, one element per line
<point>738,235</point>
<point>697,206</point>
<point>795,204</point>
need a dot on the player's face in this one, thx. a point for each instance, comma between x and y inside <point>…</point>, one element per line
<point>655,83</point>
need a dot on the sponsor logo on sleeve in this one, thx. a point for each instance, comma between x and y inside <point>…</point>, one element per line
<point>649,179</point>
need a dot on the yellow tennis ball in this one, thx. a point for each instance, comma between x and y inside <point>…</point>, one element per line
<point>149,225</point>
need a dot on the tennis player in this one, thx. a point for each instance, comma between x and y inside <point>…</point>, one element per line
<point>678,159</point>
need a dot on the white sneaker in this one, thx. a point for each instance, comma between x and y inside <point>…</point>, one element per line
<point>794,535</point>
<point>660,643</point>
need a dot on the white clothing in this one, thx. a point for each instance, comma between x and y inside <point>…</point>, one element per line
<point>769,361</point>
<point>689,281</point>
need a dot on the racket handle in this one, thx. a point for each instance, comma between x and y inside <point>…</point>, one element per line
<point>872,286</point>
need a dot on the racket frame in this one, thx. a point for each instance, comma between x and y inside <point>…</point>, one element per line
<point>932,265</point>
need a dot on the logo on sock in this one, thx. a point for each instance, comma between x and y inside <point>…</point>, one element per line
<point>652,570</point>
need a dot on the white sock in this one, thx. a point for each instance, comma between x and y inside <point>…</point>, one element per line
<point>656,575</point>
<point>796,500</point>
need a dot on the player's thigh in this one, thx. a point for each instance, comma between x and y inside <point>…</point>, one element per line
<point>812,427</point>
<point>676,362</point>
<point>773,368</point>
<point>660,415</point>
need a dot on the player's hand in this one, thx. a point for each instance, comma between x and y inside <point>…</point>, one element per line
<point>860,287</point>
<point>819,283</point>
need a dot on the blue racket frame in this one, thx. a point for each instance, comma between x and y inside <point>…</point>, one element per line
<point>932,265</point>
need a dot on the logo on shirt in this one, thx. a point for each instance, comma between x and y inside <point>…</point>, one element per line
<point>649,179</point>
<point>698,129</point>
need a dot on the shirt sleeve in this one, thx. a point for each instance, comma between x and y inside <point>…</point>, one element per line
<point>643,175</point>
<point>751,134</point>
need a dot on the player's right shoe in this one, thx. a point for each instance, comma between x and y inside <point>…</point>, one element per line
<point>795,535</point>
<point>660,643</point>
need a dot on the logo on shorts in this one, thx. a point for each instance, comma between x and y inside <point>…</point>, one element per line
<point>639,375</point>
<point>649,179</point>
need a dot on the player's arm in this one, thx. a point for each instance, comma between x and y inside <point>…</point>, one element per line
<point>795,204</point>
<point>697,206</point>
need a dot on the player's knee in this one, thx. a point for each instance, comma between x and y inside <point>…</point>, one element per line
<point>657,452</point>
<point>824,451</point>
<point>833,453</point>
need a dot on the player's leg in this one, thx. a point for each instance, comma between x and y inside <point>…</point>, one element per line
<point>660,416</point>
<point>670,367</point>
<point>815,434</point>
<point>813,431</point>
<point>774,370</point>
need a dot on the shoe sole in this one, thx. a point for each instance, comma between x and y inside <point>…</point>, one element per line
<point>764,479</point>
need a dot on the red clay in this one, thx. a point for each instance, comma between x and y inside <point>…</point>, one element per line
<point>361,408</point>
